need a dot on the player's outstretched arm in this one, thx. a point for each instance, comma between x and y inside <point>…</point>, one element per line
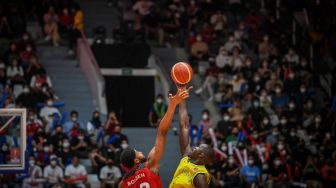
<point>184,127</point>
<point>157,151</point>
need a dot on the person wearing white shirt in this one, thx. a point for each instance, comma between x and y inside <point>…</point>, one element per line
<point>110,175</point>
<point>75,174</point>
<point>47,113</point>
<point>291,56</point>
<point>222,58</point>
<point>231,43</point>
<point>35,179</point>
<point>53,173</point>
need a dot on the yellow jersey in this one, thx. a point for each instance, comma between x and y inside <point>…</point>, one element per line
<point>186,172</point>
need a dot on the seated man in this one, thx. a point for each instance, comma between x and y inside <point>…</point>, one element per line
<point>75,174</point>
<point>110,175</point>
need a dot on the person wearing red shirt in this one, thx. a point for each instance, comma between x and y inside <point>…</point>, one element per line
<point>142,172</point>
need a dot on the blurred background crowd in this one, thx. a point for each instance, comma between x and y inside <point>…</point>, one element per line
<point>277,125</point>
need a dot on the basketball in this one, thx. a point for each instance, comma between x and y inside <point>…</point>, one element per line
<point>181,73</point>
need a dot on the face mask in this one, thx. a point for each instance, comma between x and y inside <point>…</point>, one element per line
<point>263,149</point>
<point>318,120</point>
<point>255,136</point>
<point>25,90</point>
<point>256,78</point>
<point>292,133</point>
<point>44,89</point>
<point>277,162</point>
<point>277,90</point>
<point>4,148</point>
<point>235,77</point>
<point>53,163</point>
<point>283,121</point>
<point>226,118</point>
<point>46,149</point>
<point>159,101</point>
<point>25,37</point>
<point>265,121</point>
<point>291,76</point>
<point>280,146</point>
<point>49,103</point>
<point>81,137</point>
<point>124,146</point>
<point>198,39</point>
<point>275,133</point>
<point>328,135</point>
<point>66,144</point>
<point>205,116</point>
<point>28,49</point>
<point>224,148</point>
<point>31,162</point>
<point>256,104</point>
<point>265,167</point>
<point>231,161</point>
<point>250,162</point>
<point>74,119</point>
<point>291,105</point>
<point>31,118</point>
<point>302,90</point>
<point>194,132</point>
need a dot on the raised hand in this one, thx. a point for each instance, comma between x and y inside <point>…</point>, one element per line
<point>181,94</point>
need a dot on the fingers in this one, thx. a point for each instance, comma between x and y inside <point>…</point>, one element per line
<point>189,88</point>
<point>170,95</point>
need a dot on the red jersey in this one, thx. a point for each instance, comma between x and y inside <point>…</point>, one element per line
<point>141,177</point>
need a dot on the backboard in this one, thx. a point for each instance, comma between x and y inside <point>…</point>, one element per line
<point>13,140</point>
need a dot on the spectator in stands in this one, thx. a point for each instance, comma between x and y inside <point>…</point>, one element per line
<point>34,67</point>
<point>250,174</point>
<point>6,30</point>
<point>78,26</point>
<point>79,143</point>
<point>35,176</point>
<point>66,154</point>
<point>231,43</point>
<point>12,53</point>
<point>291,57</point>
<point>51,26</point>
<point>75,174</point>
<point>205,124</point>
<point>15,73</point>
<point>94,124</point>
<point>48,113</point>
<point>53,173</point>
<point>3,77</point>
<point>25,99</point>
<point>111,123</point>
<point>265,48</point>
<point>110,175</point>
<point>57,139</point>
<point>66,21</point>
<point>98,160</point>
<point>40,78</point>
<point>69,125</point>
<point>157,111</point>
<point>33,124</point>
<point>218,21</point>
<point>199,50</point>
<point>223,60</point>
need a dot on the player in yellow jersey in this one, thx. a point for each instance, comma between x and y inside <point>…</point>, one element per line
<point>191,172</point>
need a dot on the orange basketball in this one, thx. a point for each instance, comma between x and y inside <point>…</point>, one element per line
<point>181,73</point>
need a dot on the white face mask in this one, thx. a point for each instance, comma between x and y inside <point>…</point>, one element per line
<point>226,118</point>
<point>277,90</point>
<point>250,162</point>
<point>49,103</point>
<point>224,148</point>
<point>81,137</point>
<point>265,121</point>
<point>159,101</point>
<point>283,121</point>
<point>302,90</point>
<point>231,161</point>
<point>4,148</point>
<point>318,119</point>
<point>205,116</point>
<point>291,105</point>
<point>53,163</point>
<point>292,133</point>
<point>124,146</point>
<point>255,136</point>
<point>25,90</point>
<point>277,162</point>
<point>46,149</point>
<point>66,144</point>
<point>280,146</point>
<point>31,162</point>
<point>256,78</point>
<point>194,132</point>
<point>74,119</point>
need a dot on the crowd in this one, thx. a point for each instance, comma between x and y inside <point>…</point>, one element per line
<point>58,142</point>
<point>277,128</point>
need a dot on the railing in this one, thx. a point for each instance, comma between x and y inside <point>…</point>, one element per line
<point>91,70</point>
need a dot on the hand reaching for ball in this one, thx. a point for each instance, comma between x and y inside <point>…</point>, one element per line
<point>181,94</point>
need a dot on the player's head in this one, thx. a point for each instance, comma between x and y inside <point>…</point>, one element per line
<point>203,154</point>
<point>130,157</point>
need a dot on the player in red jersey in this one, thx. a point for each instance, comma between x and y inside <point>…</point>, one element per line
<point>142,173</point>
